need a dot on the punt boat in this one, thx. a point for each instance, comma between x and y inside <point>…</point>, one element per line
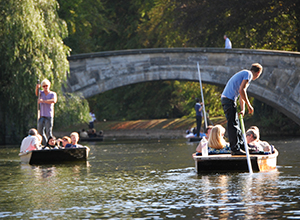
<point>237,163</point>
<point>54,156</point>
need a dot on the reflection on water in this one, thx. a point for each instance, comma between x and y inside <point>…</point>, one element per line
<point>147,180</point>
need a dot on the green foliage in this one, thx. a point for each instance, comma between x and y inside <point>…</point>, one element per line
<point>155,100</point>
<point>138,101</point>
<point>70,110</point>
<point>31,45</point>
<point>197,23</point>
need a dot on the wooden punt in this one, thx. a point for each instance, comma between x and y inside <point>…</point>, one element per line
<point>236,163</point>
<point>54,156</point>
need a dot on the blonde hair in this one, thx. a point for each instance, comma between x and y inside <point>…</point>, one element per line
<point>46,82</point>
<point>216,139</point>
<point>68,139</point>
<point>75,134</point>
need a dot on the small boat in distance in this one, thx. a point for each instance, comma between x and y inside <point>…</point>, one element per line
<point>238,163</point>
<point>54,156</point>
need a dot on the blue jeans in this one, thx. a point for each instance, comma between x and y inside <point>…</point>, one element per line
<point>233,125</point>
<point>45,126</point>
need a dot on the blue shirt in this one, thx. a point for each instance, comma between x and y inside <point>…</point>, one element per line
<point>73,146</point>
<point>232,87</point>
<point>197,107</point>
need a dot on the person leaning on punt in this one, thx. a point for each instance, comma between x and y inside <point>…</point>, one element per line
<point>255,145</point>
<point>74,141</point>
<point>31,142</point>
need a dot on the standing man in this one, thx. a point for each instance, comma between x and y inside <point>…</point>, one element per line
<point>227,42</point>
<point>235,87</point>
<point>47,99</point>
<point>198,109</point>
<point>93,118</point>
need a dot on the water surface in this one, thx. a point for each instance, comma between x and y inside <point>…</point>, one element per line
<point>147,180</point>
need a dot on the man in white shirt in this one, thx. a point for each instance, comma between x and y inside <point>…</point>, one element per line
<point>31,142</point>
<point>227,42</point>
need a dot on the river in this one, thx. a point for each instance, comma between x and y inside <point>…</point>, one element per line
<point>151,179</point>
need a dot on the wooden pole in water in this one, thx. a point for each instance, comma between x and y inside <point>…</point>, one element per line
<point>245,143</point>
<point>201,90</point>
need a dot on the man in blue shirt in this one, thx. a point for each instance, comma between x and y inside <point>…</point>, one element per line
<point>235,87</point>
<point>198,109</point>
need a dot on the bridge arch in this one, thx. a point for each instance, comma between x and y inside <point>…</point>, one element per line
<point>278,86</point>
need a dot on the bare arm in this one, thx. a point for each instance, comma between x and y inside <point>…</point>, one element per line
<point>244,98</point>
<point>37,89</point>
<point>49,101</point>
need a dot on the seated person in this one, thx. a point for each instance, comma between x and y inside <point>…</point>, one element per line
<point>204,139</point>
<point>92,133</point>
<point>216,142</point>
<point>31,142</point>
<point>256,145</point>
<point>74,141</point>
<point>84,134</point>
<point>193,133</point>
<point>51,143</point>
<point>65,140</point>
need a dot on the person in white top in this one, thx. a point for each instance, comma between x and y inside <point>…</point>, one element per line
<point>31,142</point>
<point>227,42</point>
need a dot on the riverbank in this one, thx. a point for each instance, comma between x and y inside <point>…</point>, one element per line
<point>140,129</point>
<point>165,128</point>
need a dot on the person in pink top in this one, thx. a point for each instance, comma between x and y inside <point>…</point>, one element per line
<point>47,99</point>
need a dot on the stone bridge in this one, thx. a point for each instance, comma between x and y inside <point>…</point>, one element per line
<point>278,86</point>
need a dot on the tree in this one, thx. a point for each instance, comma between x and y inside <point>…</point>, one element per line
<point>31,45</point>
<point>263,24</point>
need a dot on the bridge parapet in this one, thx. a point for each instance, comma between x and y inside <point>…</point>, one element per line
<point>278,86</point>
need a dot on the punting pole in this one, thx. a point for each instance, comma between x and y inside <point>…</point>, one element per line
<point>245,143</point>
<point>202,96</point>
<point>38,107</point>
